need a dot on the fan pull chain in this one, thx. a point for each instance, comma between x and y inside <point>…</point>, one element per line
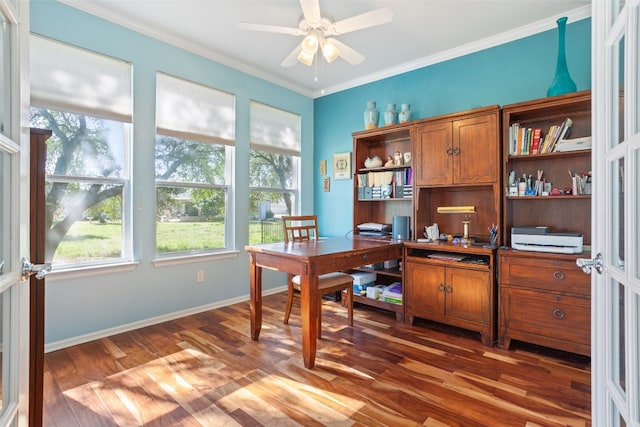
<point>315,79</point>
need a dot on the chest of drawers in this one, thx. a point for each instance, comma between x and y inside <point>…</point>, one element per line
<point>544,299</point>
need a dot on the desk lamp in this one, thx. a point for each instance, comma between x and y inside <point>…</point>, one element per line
<point>467,210</point>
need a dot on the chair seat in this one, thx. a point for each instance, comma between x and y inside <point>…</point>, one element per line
<point>329,280</point>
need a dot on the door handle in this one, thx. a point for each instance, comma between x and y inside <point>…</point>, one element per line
<point>587,264</point>
<point>40,270</point>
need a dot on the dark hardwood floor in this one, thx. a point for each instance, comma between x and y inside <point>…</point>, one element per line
<point>204,370</point>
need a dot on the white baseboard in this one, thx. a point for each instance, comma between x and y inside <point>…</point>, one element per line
<point>58,345</point>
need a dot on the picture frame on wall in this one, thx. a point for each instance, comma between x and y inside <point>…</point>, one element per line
<point>342,165</point>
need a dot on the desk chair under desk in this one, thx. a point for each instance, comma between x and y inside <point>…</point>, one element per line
<point>303,228</point>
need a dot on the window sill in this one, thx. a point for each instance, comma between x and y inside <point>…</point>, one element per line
<point>79,272</point>
<point>191,258</point>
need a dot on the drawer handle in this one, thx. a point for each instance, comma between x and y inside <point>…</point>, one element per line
<point>558,275</point>
<point>366,257</point>
<point>558,314</point>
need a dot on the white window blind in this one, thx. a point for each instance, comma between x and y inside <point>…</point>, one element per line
<point>274,130</point>
<point>68,78</point>
<point>192,111</point>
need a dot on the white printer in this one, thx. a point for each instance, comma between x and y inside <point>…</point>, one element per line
<point>539,239</point>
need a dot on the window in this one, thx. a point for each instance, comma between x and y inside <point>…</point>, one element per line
<point>84,98</point>
<point>195,131</point>
<point>274,177</point>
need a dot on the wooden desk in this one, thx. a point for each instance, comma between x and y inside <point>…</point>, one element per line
<point>310,259</point>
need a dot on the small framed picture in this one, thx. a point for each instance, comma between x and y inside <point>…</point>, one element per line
<point>323,167</point>
<point>326,184</point>
<point>342,166</point>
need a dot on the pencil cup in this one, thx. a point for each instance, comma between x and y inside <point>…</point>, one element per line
<point>494,239</point>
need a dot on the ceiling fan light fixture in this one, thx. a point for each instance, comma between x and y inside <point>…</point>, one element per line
<point>310,44</point>
<point>305,57</point>
<point>329,51</point>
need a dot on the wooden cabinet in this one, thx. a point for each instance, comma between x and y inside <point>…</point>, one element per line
<point>544,297</point>
<point>451,291</point>
<point>459,149</point>
<point>458,163</point>
<point>544,300</point>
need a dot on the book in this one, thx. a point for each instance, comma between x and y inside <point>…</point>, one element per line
<point>535,141</point>
<point>521,132</point>
<point>526,141</point>
<point>573,144</point>
<point>563,131</point>
<point>513,138</point>
<point>547,139</point>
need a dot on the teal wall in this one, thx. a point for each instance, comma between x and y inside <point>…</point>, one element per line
<point>98,300</point>
<point>517,71</point>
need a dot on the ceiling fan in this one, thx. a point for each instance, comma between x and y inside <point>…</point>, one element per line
<point>318,30</point>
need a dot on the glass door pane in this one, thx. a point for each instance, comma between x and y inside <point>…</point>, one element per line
<point>5,171</point>
<point>5,77</point>
<point>618,337</point>
<point>617,213</point>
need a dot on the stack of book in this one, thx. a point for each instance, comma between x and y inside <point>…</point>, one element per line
<point>524,141</point>
<point>392,293</point>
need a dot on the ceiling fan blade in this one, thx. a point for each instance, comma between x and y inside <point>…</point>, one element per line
<point>270,28</point>
<point>311,10</point>
<point>365,20</point>
<point>292,59</point>
<point>348,54</point>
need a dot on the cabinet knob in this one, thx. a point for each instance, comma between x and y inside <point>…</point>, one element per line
<point>456,150</point>
<point>558,314</point>
<point>558,275</point>
<point>441,287</point>
<point>448,288</point>
<point>449,151</point>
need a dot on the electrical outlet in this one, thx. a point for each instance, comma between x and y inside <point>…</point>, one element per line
<point>200,276</point>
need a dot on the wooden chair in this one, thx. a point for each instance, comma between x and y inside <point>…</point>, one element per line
<point>303,228</point>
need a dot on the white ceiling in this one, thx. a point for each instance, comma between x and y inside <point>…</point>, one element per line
<point>422,32</point>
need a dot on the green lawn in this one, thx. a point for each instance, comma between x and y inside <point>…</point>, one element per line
<point>91,241</point>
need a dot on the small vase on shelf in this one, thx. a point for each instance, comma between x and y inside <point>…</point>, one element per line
<point>390,116</point>
<point>371,116</point>
<point>405,113</point>
<point>562,82</point>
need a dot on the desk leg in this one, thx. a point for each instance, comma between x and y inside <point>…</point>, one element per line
<point>309,312</point>
<point>255,297</point>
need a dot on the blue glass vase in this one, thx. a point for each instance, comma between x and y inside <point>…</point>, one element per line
<point>562,82</point>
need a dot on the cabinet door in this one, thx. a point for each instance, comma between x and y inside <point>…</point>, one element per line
<point>467,295</point>
<point>434,154</point>
<point>424,289</point>
<point>475,150</point>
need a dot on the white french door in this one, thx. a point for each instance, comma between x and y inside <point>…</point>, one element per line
<point>616,223</point>
<point>14,205</point>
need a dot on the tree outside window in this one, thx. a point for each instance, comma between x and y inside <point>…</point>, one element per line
<point>195,129</point>
<point>86,183</point>
<point>274,176</point>
<point>191,197</point>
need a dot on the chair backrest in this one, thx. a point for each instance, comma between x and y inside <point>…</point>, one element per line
<point>300,228</point>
